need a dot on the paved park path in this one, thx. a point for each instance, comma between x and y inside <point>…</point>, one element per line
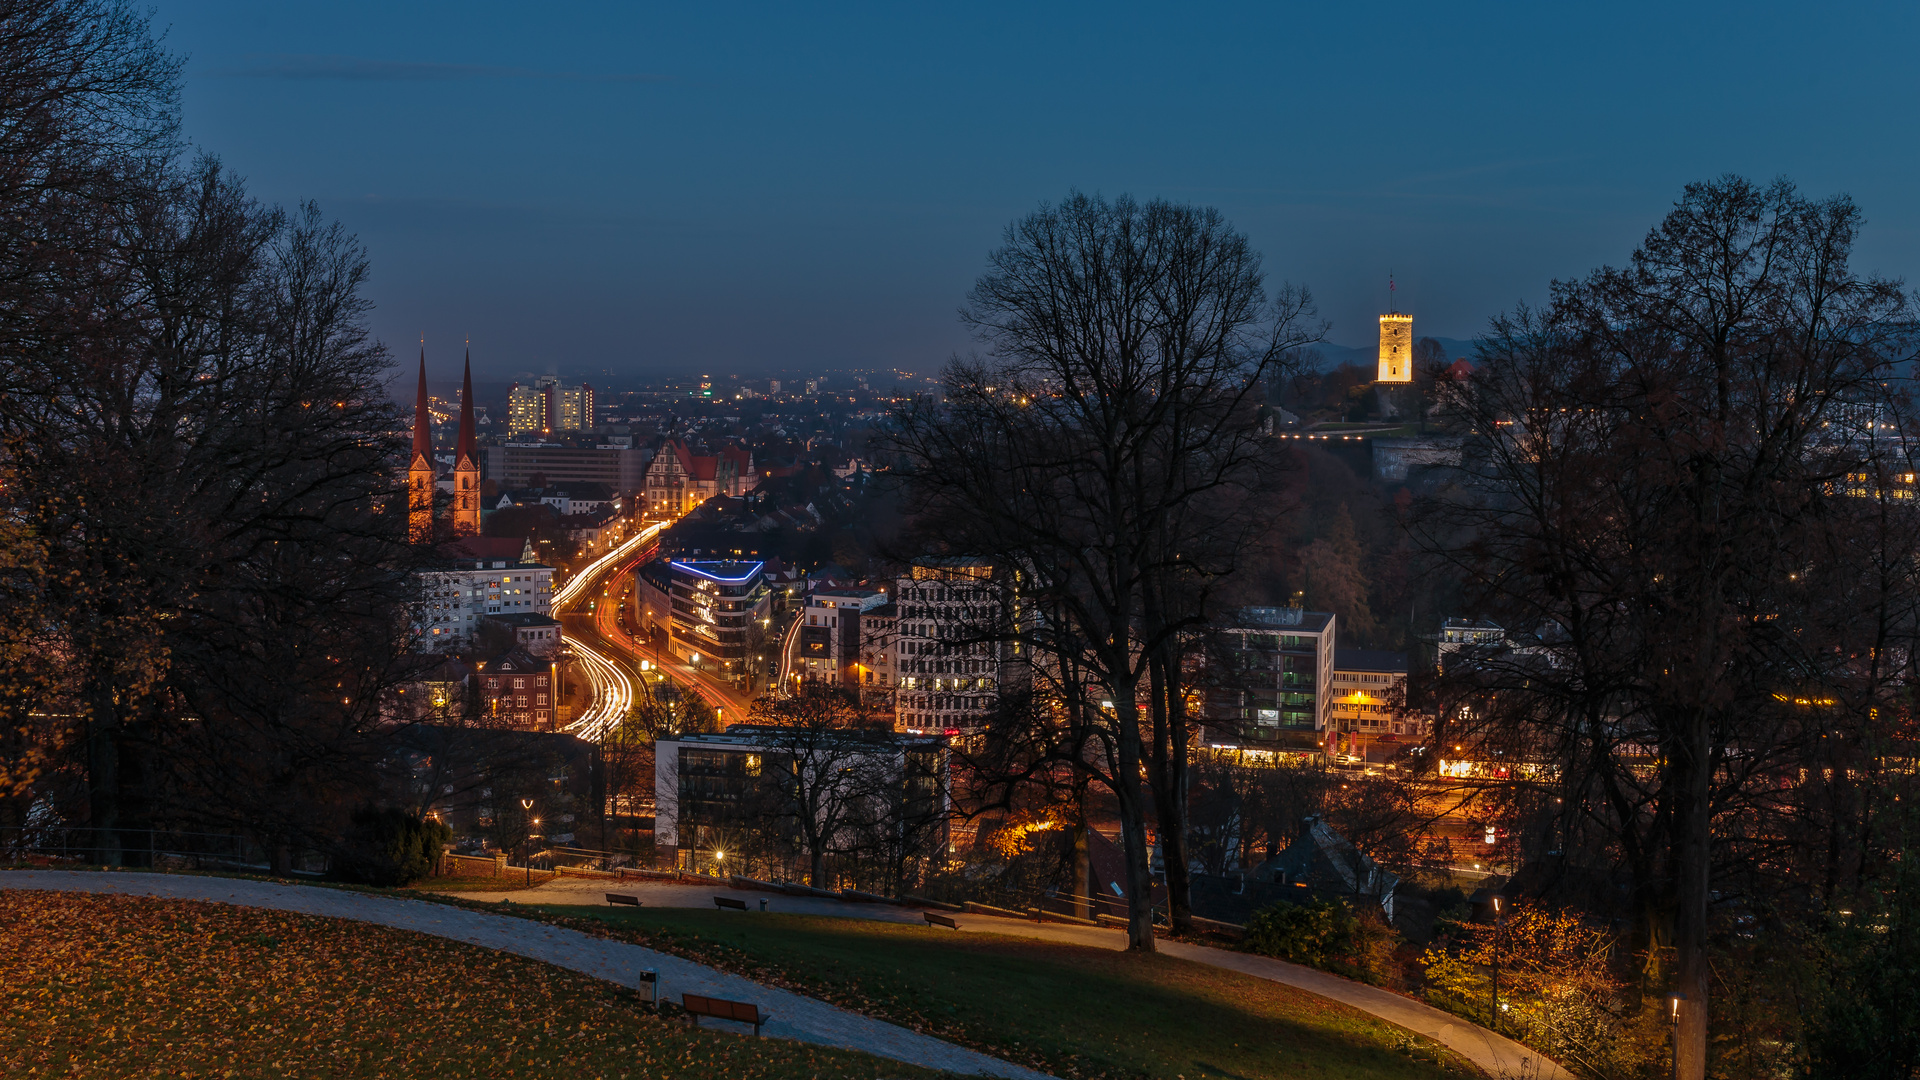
<point>1498,1055</point>
<point>794,1016</point>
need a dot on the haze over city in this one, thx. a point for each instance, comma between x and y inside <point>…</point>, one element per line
<point>1183,542</point>
<point>653,189</point>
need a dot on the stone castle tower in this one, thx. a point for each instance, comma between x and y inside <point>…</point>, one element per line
<point>420,471</point>
<point>1396,348</point>
<point>466,463</point>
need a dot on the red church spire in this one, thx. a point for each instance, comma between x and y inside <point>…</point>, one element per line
<point>465,448</point>
<point>422,419</point>
<point>420,471</point>
<point>466,463</point>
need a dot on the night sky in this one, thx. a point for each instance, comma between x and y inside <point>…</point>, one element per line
<point>665,188</point>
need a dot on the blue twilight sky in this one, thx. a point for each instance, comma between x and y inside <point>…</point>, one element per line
<point>662,188</point>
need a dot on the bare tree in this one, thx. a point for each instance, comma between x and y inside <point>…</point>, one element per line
<point>1683,497</point>
<point>1128,347</point>
<point>194,418</point>
<point>822,771</point>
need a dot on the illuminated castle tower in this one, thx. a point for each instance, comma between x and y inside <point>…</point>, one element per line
<point>466,464</point>
<point>421,471</point>
<point>1396,342</point>
<point>1396,348</point>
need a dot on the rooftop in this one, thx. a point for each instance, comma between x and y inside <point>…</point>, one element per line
<point>525,619</point>
<point>728,573</point>
<point>1369,660</point>
<point>1279,618</point>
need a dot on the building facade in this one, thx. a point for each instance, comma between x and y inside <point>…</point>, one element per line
<point>1268,680</point>
<point>516,689</point>
<point>715,790</point>
<point>519,464</point>
<point>1370,714</point>
<point>678,478</point>
<point>480,576</point>
<point>838,643</point>
<point>536,633</point>
<point>717,612</point>
<point>945,677</point>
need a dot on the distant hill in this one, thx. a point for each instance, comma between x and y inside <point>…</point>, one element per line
<point>1332,355</point>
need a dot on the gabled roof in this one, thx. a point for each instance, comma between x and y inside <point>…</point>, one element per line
<point>672,449</point>
<point>512,661</point>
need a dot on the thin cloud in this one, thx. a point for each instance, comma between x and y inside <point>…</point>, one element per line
<point>360,69</point>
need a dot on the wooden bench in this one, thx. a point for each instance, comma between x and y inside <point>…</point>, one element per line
<point>721,1009</point>
<point>729,902</point>
<point>619,898</point>
<point>940,920</point>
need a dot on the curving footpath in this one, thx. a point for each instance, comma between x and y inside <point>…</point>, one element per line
<point>794,1016</point>
<point>1498,1055</point>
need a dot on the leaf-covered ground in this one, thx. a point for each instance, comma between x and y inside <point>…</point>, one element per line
<point>1076,1012</point>
<point>121,986</point>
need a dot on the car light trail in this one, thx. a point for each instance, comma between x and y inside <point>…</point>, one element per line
<point>577,585</point>
<point>612,694</point>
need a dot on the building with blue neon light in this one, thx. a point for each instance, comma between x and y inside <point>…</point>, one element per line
<point>717,612</point>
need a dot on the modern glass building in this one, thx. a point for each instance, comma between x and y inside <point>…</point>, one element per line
<point>717,608</point>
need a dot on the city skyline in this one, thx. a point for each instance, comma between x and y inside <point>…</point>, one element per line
<point>658,191</point>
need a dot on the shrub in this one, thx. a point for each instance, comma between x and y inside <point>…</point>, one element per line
<point>1324,934</point>
<point>390,847</point>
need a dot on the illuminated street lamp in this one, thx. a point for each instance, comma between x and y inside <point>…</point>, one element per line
<point>527,805</point>
<point>1673,1018</point>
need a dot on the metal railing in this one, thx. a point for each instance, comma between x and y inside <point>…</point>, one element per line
<point>82,845</point>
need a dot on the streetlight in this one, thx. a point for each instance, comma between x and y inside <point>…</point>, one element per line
<point>527,805</point>
<point>1673,1018</point>
<point>720,862</point>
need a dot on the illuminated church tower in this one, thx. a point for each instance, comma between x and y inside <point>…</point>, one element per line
<point>1396,343</point>
<point>421,471</point>
<point>466,464</point>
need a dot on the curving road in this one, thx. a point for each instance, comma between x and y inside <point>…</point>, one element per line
<point>588,608</point>
<point>729,703</point>
<point>607,671</point>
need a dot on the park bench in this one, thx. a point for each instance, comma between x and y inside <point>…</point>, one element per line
<point>940,920</point>
<point>620,898</point>
<point>721,1009</point>
<point>729,902</point>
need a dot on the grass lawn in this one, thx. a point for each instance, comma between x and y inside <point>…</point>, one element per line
<point>120,986</point>
<point>1069,1010</point>
<point>513,880</point>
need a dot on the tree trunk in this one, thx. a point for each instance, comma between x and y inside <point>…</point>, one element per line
<point>103,791</point>
<point>1133,820</point>
<point>1168,769</point>
<point>1692,859</point>
<point>1082,866</point>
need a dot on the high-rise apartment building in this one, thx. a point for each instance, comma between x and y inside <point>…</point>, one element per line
<point>549,406</point>
<point>526,410</point>
<point>943,680</point>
